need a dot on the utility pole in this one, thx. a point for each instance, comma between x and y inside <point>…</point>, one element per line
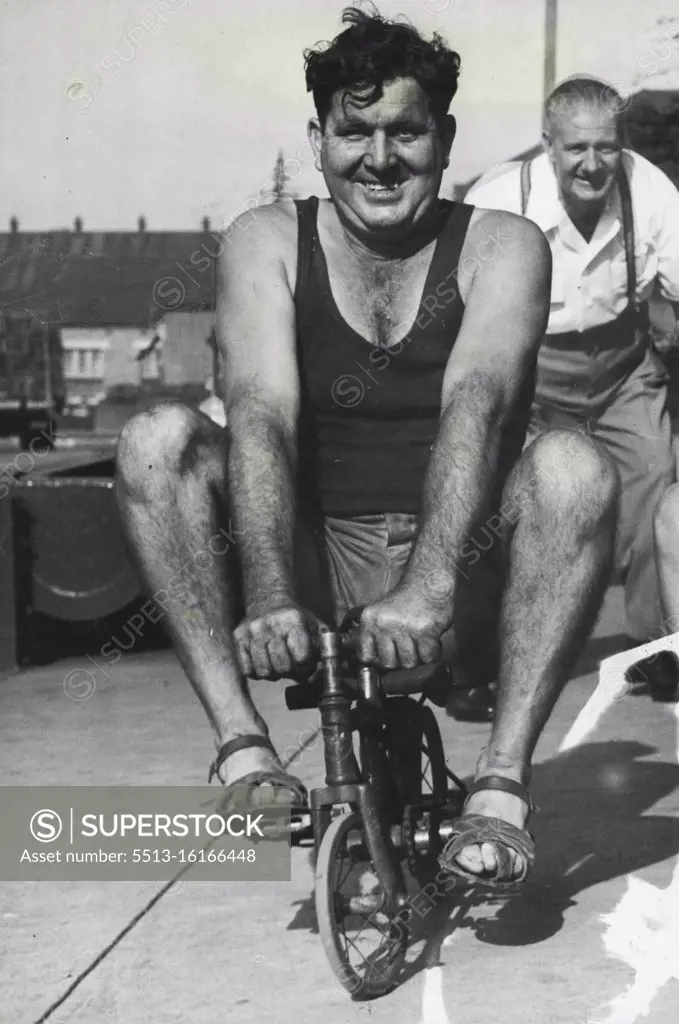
<point>550,46</point>
<point>280,178</point>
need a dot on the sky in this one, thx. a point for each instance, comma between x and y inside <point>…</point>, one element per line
<point>176,109</point>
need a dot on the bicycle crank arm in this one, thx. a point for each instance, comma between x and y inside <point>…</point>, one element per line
<point>421,837</point>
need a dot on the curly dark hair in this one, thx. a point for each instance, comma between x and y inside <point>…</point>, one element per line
<point>373,51</point>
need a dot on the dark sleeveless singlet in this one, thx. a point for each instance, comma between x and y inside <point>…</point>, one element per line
<point>369,416</point>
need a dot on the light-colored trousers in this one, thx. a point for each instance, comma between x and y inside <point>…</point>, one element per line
<point>635,430</point>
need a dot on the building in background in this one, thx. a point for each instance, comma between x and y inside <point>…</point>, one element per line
<point>99,358</point>
<point>186,349</point>
<point>135,309</point>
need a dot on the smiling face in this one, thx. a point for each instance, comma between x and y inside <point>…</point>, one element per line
<point>383,163</point>
<point>583,144</point>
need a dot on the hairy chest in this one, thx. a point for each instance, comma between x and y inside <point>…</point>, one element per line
<point>380,301</point>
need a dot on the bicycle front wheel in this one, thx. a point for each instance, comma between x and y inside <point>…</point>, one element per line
<point>364,939</point>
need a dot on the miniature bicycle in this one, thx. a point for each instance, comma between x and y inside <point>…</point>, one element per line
<point>390,806</point>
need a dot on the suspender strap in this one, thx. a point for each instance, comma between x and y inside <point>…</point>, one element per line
<point>628,233</point>
<point>627,225</point>
<point>525,186</point>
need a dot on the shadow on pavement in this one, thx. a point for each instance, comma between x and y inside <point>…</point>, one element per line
<point>593,829</point>
<point>598,648</point>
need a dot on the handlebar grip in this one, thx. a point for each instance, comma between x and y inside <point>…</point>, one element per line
<point>302,696</point>
<point>349,632</point>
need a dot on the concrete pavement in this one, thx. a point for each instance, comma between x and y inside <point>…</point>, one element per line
<point>213,952</point>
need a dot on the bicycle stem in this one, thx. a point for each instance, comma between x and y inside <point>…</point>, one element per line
<point>334,707</point>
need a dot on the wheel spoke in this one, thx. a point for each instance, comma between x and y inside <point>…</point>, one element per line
<point>357,918</point>
<point>369,921</point>
<point>385,948</point>
<point>339,884</point>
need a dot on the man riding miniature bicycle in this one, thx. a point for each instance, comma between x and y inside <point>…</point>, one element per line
<point>350,488</point>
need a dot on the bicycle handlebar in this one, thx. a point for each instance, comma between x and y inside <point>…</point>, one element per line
<point>348,634</point>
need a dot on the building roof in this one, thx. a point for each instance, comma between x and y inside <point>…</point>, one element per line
<point>87,279</point>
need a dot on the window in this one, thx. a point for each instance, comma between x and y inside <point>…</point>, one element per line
<point>151,365</point>
<point>97,363</point>
<point>85,362</point>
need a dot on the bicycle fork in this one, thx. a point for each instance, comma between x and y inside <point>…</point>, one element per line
<point>344,783</point>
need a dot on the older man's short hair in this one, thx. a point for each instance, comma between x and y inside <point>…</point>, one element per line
<point>581,91</point>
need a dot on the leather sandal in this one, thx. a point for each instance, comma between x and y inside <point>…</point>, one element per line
<point>274,776</point>
<point>474,829</point>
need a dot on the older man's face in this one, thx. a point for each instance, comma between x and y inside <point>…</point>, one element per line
<point>383,163</point>
<point>583,143</point>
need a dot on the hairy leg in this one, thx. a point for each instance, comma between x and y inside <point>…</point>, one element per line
<point>564,490</point>
<point>171,488</point>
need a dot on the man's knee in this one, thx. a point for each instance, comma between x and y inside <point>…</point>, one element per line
<point>570,471</point>
<point>667,523</point>
<point>163,440</point>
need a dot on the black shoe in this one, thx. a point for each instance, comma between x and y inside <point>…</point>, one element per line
<point>475,705</point>
<point>660,673</point>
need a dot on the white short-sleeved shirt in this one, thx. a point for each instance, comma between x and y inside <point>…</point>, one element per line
<point>589,279</point>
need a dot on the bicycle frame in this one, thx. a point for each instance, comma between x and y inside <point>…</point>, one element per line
<point>387,821</point>
<point>344,781</point>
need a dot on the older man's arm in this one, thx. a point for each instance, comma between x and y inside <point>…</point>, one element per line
<point>506,312</point>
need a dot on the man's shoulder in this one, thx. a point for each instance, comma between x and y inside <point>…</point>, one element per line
<point>500,186</point>
<point>270,229</point>
<point>510,228</point>
<point>644,174</point>
<point>494,178</point>
<point>503,247</point>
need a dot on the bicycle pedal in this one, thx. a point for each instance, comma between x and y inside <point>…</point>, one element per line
<point>277,827</point>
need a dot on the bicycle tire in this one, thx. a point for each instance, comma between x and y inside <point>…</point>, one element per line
<point>377,974</point>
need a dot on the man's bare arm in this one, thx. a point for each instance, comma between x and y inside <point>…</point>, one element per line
<point>506,312</point>
<point>256,335</point>
<point>262,466</point>
<point>505,318</point>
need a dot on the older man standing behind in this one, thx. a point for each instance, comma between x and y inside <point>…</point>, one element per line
<point>612,222</point>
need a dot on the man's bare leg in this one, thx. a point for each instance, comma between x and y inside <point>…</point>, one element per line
<point>172,493</point>
<point>560,555</point>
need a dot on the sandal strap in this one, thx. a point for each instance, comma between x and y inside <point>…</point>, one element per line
<point>233,746</point>
<point>477,829</point>
<point>505,785</point>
